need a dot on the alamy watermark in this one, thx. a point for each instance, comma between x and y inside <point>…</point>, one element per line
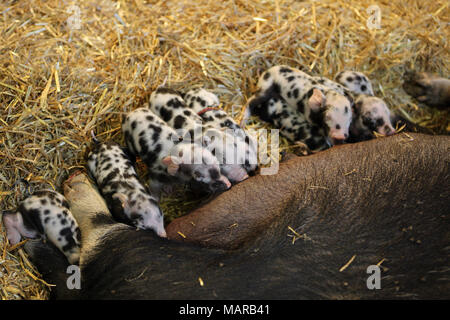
<point>74,20</point>
<point>230,146</point>
<point>374,20</point>
<point>374,280</point>
<point>74,278</point>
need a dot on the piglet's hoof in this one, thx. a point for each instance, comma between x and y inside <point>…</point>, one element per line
<point>354,183</point>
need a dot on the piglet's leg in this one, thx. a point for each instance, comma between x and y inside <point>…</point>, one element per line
<point>15,227</point>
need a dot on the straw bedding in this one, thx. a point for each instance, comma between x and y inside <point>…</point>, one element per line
<point>60,79</point>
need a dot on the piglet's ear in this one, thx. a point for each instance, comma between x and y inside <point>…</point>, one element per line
<point>317,100</point>
<point>172,164</point>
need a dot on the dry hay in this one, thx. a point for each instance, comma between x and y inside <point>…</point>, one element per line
<point>58,83</point>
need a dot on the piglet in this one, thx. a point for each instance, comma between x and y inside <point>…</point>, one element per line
<point>46,213</point>
<point>189,125</point>
<point>169,160</point>
<point>356,82</point>
<point>327,108</point>
<point>370,113</point>
<point>127,198</point>
<point>206,104</point>
<point>291,123</point>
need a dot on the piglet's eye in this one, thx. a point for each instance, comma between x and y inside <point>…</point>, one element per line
<point>379,122</point>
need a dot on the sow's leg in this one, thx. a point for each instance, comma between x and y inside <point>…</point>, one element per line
<point>91,212</point>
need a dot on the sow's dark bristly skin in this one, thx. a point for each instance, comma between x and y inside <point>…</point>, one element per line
<point>386,198</point>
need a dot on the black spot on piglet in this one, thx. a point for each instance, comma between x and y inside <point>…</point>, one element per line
<point>179,122</point>
<point>67,234</point>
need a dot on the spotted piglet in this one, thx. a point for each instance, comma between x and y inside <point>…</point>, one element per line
<point>169,160</point>
<point>371,114</point>
<point>356,82</point>
<point>169,104</point>
<point>291,123</point>
<point>46,213</point>
<point>126,197</point>
<point>327,108</point>
<point>206,105</point>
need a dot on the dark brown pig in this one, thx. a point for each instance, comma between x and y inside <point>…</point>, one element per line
<point>315,230</point>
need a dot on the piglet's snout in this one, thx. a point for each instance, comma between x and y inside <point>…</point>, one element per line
<point>390,133</point>
<point>338,138</point>
<point>226,182</point>
<point>387,130</point>
<point>162,233</point>
<point>222,184</point>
